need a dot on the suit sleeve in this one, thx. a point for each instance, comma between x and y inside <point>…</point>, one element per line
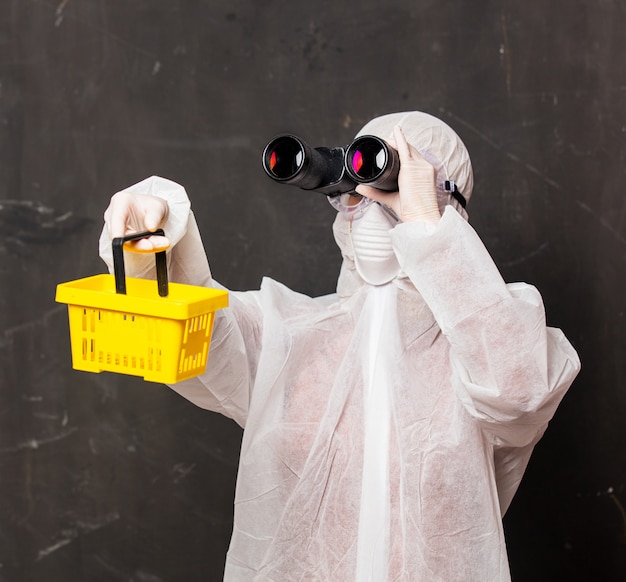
<point>236,339</point>
<point>508,368</point>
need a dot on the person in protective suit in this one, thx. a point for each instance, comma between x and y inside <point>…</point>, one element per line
<point>387,426</point>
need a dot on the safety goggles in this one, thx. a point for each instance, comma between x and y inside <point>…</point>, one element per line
<point>352,206</point>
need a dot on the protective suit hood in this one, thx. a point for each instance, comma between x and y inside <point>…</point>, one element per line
<point>438,144</point>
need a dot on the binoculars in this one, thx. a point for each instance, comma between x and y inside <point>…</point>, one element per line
<point>287,159</point>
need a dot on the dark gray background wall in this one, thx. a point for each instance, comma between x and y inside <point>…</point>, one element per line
<point>105,477</point>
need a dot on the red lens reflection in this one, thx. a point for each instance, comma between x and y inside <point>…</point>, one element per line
<point>357,161</point>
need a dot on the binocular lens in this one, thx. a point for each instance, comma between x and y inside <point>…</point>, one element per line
<point>289,160</point>
<point>283,157</point>
<point>368,160</point>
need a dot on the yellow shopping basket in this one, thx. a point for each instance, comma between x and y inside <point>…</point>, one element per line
<point>158,330</point>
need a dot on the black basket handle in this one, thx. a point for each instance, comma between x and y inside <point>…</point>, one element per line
<point>118,263</point>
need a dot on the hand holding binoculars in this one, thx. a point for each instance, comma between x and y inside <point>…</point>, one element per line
<point>332,171</point>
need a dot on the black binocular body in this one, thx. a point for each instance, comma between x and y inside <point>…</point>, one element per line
<point>332,171</point>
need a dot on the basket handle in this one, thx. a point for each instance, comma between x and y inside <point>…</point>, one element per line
<point>118,263</point>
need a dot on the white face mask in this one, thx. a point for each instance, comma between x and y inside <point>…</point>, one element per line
<point>374,257</point>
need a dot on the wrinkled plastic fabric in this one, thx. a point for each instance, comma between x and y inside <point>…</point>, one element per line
<point>386,429</point>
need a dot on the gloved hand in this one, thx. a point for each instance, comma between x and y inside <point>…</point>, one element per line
<point>130,213</point>
<point>417,196</point>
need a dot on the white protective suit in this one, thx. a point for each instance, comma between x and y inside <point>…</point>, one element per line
<point>386,428</point>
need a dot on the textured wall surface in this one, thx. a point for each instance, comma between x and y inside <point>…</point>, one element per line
<point>105,477</point>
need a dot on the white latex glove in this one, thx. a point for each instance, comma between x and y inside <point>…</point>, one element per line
<point>129,213</point>
<point>417,196</point>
